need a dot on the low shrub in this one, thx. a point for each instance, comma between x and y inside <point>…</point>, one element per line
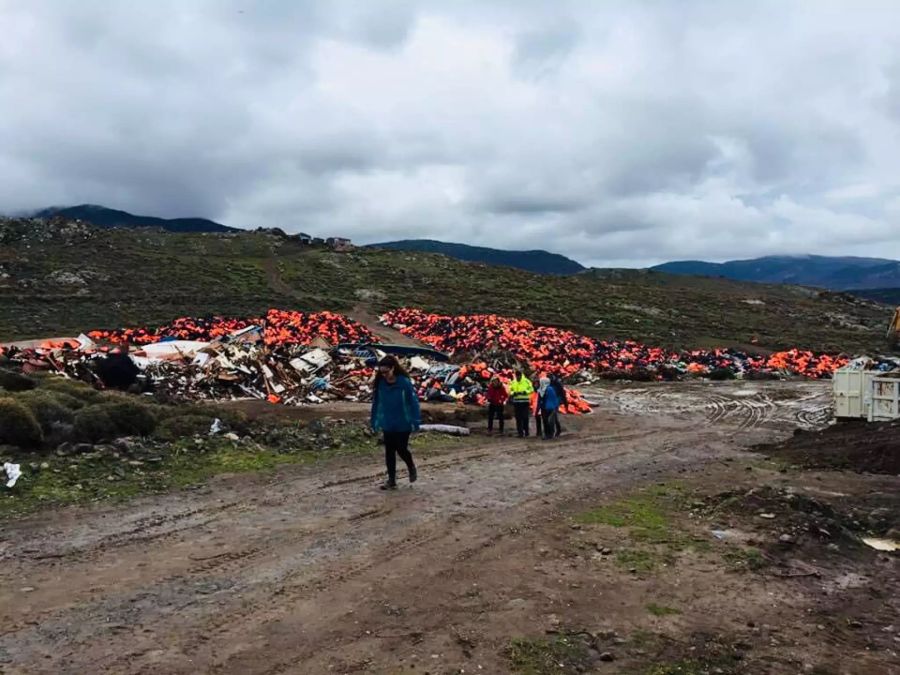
<point>181,426</point>
<point>12,381</point>
<point>18,425</point>
<point>46,408</point>
<point>721,374</point>
<point>74,388</point>
<point>93,424</point>
<point>107,421</point>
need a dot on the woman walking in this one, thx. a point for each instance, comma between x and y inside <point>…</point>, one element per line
<point>395,411</point>
<point>496,396</point>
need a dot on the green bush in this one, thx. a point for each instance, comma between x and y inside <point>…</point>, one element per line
<point>131,418</point>
<point>65,400</point>
<point>18,425</point>
<point>181,426</point>
<point>721,374</point>
<point>78,390</point>
<point>46,408</point>
<point>12,381</point>
<point>107,421</point>
<point>93,424</point>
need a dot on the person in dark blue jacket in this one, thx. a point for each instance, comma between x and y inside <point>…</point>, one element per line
<point>549,402</point>
<point>395,412</point>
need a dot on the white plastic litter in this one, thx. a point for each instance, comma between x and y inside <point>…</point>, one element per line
<point>173,349</point>
<point>216,427</point>
<point>882,544</point>
<point>446,429</point>
<point>13,473</point>
<point>418,363</point>
<point>311,361</point>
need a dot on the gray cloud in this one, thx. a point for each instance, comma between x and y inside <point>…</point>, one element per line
<point>617,133</point>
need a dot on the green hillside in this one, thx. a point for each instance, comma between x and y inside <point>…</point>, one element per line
<point>61,277</point>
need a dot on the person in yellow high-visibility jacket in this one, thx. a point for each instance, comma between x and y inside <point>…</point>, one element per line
<point>520,391</point>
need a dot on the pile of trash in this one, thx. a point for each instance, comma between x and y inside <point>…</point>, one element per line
<point>881,364</point>
<point>288,357</point>
<point>567,354</point>
<point>280,327</point>
<point>298,358</point>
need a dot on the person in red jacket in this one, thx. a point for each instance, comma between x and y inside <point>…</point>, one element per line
<point>497,397</point>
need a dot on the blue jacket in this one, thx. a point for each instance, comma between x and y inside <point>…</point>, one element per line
<point>395,407</point>
<point>550,400</point>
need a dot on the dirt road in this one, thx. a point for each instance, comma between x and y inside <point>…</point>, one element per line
<point>312,570</point>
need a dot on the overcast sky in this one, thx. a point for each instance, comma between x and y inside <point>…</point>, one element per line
<point>618,133</point>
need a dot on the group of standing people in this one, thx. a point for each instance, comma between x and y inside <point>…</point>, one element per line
<point>396,412</point>
<point>540,399</point>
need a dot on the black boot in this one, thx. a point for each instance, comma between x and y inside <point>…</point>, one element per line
<point>388,485</point>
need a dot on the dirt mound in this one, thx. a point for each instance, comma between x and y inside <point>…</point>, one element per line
<point>778,511</point>
<point>855,446</point>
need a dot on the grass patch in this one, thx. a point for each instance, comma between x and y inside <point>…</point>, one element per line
<point>745,559</point>
<point>565,654</point>
<point>110,475</point>
<point>642,560</point>
<point>691,667</point>
<point>662,610</point>
<point>646,515</point>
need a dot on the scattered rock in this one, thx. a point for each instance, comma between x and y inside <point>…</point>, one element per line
<point>124,444</point>
<point>607,657</point>
<point>767,516</point>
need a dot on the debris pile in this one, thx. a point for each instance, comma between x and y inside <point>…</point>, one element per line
<point>295,357</point>
<point>288,357</point>
<point>281,327</point>
<point>564,353</point>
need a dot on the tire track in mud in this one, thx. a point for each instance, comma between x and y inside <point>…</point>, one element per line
<point>743,405</point>
<point>534,512</point>
<point>211,626</point>
<point>328,540</point>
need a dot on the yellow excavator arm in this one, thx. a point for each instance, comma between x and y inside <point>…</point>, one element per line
<point>893,331</point>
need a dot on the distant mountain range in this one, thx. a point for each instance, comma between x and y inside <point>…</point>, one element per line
<point>540,262</point>
<point>101,216</point>
<point>836,273</point>
<point>873,278</point>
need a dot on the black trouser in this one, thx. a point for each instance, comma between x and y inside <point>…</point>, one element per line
<point>538,426</point>
<point>523,412</point>
<point>397,443</point>
<point>551,423</point>
<point>495,409</point>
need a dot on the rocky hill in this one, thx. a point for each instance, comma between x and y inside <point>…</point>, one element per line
<point>100,216</point>
<point>836,273</point>
<point>59,277</point>
<point>540,262</point>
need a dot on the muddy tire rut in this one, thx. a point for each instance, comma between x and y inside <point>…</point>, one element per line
<point>284,573</point>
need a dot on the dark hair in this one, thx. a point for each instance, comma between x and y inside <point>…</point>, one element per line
<point>390,361</point>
